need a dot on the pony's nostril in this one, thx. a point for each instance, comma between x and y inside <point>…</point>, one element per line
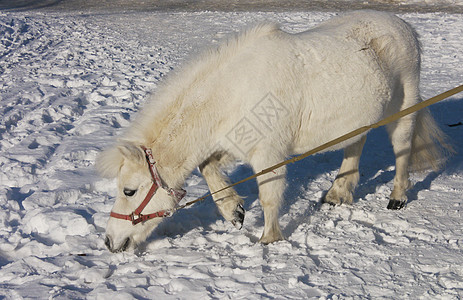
<point>126,244</point>
<point>107,242</point>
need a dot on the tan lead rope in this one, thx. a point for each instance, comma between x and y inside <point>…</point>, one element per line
<point>340,139</point>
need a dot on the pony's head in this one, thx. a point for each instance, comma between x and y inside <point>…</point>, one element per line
<point>128,163</point>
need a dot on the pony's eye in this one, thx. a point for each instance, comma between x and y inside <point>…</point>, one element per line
<point>129,192</point>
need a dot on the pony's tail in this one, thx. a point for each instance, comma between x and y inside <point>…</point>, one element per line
<point>429,146</point>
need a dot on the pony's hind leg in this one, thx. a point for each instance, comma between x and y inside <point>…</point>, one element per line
<point>401,133</point>
<point>344,185</point>
<point>401,136</point>
<point>229,203</point>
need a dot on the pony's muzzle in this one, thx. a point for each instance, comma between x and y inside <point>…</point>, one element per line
<point>110,245</point>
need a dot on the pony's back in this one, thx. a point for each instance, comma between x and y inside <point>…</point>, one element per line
<point>391,38</point>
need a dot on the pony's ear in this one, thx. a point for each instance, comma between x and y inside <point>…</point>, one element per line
<point>109,162</point>
<point>132,152</point>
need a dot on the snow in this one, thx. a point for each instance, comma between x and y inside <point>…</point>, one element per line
<point>111,6</point>
<point>71,81</point>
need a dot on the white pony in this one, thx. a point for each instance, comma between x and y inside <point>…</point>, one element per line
<point>265,95</point>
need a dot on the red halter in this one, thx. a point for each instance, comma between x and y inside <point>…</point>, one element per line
<point>136,216</point>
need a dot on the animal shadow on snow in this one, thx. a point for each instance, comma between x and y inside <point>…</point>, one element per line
<point>448,115</point>
<point>376,158</point>
<point>378,155</point>
<point>205,213</point>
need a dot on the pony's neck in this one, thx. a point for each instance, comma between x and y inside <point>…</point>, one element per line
<point>180,145</point>
<point>179,124</point>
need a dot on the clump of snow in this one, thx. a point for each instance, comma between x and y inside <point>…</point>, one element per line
<point>70,83</point>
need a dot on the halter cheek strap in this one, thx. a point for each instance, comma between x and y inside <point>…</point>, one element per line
<point>136,216</point>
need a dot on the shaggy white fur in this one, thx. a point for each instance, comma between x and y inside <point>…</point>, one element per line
<point>267,94</point>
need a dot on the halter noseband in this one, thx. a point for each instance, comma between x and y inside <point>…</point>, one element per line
<point>136,216</point>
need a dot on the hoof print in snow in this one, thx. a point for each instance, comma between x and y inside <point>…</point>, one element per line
<point>239,217</point>
<point>395,204</point>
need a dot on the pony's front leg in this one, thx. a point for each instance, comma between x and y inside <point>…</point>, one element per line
<point>271,188</point>
<point>229,203</point>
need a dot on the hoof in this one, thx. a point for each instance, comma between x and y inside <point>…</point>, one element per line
<point>336,198</point>
<point>238,217</point>
<point>271,239</point>
<point>396,204</point>
<point>330,203</point>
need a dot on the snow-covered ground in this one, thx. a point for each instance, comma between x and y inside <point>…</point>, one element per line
<point>71,81</point>
<point>105,6</point>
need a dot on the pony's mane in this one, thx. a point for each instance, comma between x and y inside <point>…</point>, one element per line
<point>168,101</point>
